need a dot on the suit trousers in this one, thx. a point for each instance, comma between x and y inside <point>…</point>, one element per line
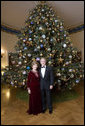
<point>46,98</point>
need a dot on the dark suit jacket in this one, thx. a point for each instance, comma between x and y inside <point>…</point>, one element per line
<point>48,78</point>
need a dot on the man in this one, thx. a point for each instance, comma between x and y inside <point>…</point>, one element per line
<point>46,84</point>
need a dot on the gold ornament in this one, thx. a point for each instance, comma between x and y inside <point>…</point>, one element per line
<point>53,51</point>
<point>58,74</point>
<point>25,61</point>
<point>61,23</point>
<point>81,76</point>
<point>58,26</point>
<point>61,54</point>
<point>24,80</point>
<point>41,40</point>
<point>49,62</point>
<point>41,54</point>
<point>38,22</point>
<point>40,14</point>
<point>20,51</point>
<point>58,39</point>
<point>53,23</point>
<point>50,54</point>
<point>47,38</point>
<point>60,60</point>
<point>33,59</point>
<point>30,43</point>
<point>74,70</point>
<point>58,34</point>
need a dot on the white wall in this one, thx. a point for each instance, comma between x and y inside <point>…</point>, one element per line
<point>78,41</point>
<point>8,41</point>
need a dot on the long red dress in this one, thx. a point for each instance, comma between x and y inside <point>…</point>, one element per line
<point>35,105</point>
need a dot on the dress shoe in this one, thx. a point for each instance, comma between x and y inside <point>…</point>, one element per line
<point>50,111</point>
<point>43,111</point>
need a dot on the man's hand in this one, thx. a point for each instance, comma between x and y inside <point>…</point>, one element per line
<point>51,86</point>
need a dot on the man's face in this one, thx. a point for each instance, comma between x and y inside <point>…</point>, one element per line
<point>43,62</point>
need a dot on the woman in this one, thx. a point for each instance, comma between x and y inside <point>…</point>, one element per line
<point>33,86</point>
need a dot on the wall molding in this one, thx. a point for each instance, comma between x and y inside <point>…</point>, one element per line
<point>10,30</point>
<point>76,29</point>
<point>14,31</point>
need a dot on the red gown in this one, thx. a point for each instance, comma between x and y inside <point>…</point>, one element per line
<point>33,83</point>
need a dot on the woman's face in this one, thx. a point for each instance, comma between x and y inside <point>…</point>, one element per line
<point>35,66</point>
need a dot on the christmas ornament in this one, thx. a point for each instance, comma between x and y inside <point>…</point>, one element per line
<point>40,28</point>
<point>77,81</point>
<point>70,70</point>
<point>41,54</point>
<point>63,69</point>
<point>29,55</point>
<point>20,63</point>
<point>33,59</point>
<point>30,31</point>
<point>32,22</point>
<point>24,72</point>
<point>25,48</point>
<point>59,81</point>
<point>42,10</point>
<point>28,68</point>
<point>38,47</point>
<point>70,56</point>
<point>35,50</point>
<point>24,57</point>
<point>12,83</point>
<point>13,62</point>
<point>24,40</point>
<point>23,83</point>
<point>72,76</point>
<point>49,62</point>
<point>49,49</point>
<point>37,59</point>
<point>43,36</point>
<point>30,39</point>
<point>56,20</point>
<point>64,45</point>
<point>23,44</point>
<point>25,61</point>
<point>58,74</point>
<point>41,45</point>
<point>64,35</point>
<point>60,60</point>
<point>67,63</point>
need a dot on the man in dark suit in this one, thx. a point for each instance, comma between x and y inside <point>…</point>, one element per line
<point>46,84</point>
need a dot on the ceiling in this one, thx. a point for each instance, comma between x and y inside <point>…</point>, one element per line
<point>14,13</point>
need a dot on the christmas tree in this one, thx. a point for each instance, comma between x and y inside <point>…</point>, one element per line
<point>44,36</point>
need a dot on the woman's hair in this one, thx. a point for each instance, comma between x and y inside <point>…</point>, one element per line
<point>35,62</point>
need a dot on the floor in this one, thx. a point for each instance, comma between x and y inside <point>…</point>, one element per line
<point>13,111</point>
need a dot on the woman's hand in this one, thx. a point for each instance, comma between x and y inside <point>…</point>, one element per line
<point>29,91</point>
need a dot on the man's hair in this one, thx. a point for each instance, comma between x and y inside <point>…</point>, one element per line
<point>43,58</point>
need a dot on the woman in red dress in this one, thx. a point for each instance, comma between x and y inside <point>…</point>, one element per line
<point>33,87</point>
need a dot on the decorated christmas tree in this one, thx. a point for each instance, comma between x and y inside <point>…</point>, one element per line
<point>44,35</point>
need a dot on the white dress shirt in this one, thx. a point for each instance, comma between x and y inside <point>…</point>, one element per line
<point>43,71</point>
